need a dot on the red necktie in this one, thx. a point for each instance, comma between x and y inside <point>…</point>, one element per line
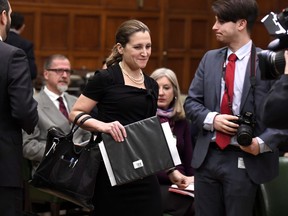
<point>62,107</point>
<point>222,139</point>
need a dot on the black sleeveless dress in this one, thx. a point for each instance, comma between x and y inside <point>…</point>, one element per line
<point>125,104</point>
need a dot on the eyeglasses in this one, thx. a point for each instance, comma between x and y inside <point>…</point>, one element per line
<point>60,71</point>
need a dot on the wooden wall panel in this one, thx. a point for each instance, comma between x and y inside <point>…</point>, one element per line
<point>282,4</point>
<point>54,31</point>
<point>187,36</point>
<point>176,33</point>
<point>132,4</point>
<point>260,35</point>
<point>87,63</point>
<point>152,65</point>
<point>29,18</point>
<point>23,1</point>
<point>87,36</point>
<point>194,62</point>
<point>84,30</point>
<point>112,24</point>
<point>266,6</point>
<point>153,24</point>
<point>190,5</point>
<point>177,65</point>
<point>199,34</point>
<point>75,2</point>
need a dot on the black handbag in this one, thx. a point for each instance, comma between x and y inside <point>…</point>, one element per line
<point>69,171</point>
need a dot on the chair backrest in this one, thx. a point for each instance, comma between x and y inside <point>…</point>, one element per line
<point>35,196</point>
<point>275,192</point>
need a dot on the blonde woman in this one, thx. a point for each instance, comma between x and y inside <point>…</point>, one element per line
<point>170,109</point>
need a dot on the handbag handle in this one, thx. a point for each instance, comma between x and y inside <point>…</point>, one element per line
<point>74,126</point>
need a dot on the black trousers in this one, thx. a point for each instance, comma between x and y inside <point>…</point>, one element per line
<point>11,201</point>
<point>222,185</point>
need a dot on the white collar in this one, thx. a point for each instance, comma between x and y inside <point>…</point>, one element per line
<point>14,30</point>
<point>1,38</point>
<point>243,51</point>
<point>51,94</point>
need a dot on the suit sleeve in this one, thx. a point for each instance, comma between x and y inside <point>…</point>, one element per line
<point>33,148</point>
<point>20,90</point>
<point>195,104</point>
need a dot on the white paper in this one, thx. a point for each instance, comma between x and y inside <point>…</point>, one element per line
<point>107,163</point>
<point>189,188</point>
<point>171,143</point>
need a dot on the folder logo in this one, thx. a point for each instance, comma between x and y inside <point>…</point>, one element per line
<point>138,164</point>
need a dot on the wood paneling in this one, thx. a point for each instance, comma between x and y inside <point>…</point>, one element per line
<point>54,31</point>
<point>152,65</point>
<point>87,63</point>
<point>187,36</point>
<point>75,2</point>
<point>199,34</point>
<point>176,34</point>
<point>87,36</point>
<point>112,24</point>
<point>176,63</point>
<point>132,4</point>
<point>184,5</point>
<point>29,24</point>
<point>84,30</point>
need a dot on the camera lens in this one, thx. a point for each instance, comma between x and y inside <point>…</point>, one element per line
<point>271,63</point>
<point>244,135</point>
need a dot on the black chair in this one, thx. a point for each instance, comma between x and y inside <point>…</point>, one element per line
<point>272,196</point>
<point>36,201</point>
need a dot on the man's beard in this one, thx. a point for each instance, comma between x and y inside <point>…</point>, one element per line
<point>7,29</point>
<point>62,88</point>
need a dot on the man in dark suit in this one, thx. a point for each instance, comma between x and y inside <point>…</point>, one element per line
<point>227,178</point>
<point>275,113</point>
<point>57,71</point>
<point>14,38</point>
<point>276,105</point>
<point>18,110</point>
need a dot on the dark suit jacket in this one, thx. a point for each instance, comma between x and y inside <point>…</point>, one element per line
<point>204,97</point>
<point>16,40</point>
<point>18,110</point>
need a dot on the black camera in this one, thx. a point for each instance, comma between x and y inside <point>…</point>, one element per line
<point>272,61</point>
<point>245,130</point>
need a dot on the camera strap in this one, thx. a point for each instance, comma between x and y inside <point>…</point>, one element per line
<point>253,74</point>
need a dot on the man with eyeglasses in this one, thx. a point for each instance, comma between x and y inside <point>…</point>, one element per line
<point>52,110</point>
<point>18,111</point>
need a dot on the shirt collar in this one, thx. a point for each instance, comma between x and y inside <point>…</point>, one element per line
<point>51,94</point>
<point>1,38</point>
<point>243,51</point>
<point>14,30</point>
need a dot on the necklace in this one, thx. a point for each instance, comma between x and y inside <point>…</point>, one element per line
<point>133,79</point>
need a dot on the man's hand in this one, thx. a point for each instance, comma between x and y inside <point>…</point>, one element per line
<point>179,179</point>
<point>224,123</point>
<point>253,149</point>
<point>286,61</point>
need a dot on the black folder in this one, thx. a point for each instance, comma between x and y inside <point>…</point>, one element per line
<point>148,148</point>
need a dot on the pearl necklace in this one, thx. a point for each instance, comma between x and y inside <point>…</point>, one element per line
<point>136,81</point>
